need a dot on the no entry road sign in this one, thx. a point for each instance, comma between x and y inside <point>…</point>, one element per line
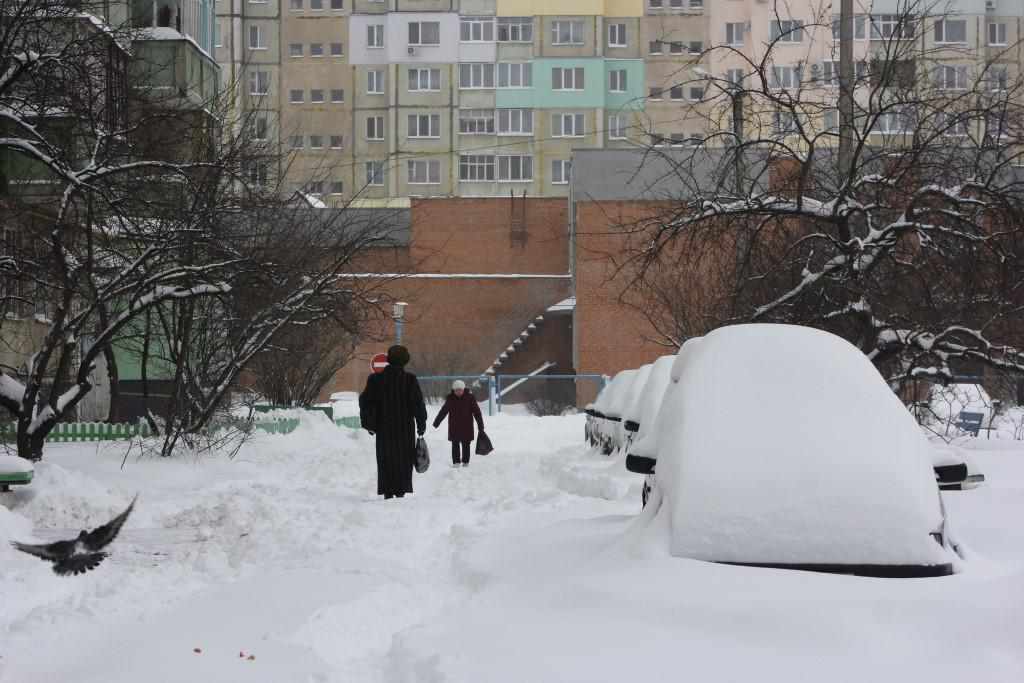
<point>379,362</point>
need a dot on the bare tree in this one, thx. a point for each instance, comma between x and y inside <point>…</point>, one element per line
<point>153,204</point>
<point>913,251</point>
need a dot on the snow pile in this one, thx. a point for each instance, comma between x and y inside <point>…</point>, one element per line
<point>759,457</point>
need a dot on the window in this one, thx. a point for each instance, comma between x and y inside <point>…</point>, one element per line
<point>951,31</point>
<point>996,34</point>
<point>337,95</point>
<point>476,76</point>
<point>424,125</point>
<point>860,27</point>
<point>476,121</point>
<point>476,167</point>
<point>375,35</point>
<point>786,77</point>
<point>895,26</point>
<point>735,77</point>
<point>696,47</point>
<point>676,48</point>
<point>951,125</point>
<point>515,168</point>
<point>567,126</point>
<point>734,34</point>
<point>655,47</point>
<point>424,172</point>
<point>316,141</point>
<point>566,32</point>
<point>950,77</point>
<point>783,122</point>
<point>476,29</point>
<point>616,35</point>
<point>655,4</point>
<point>259,82</point>
<point>830,72</point>
<point>560,170</point>
<point>316,49</point>
<point>696,4</point>
<point>374,172</point>
<point>995,126</point>
<point>337,141</point>
<point>316,5</point>
<point>617,127</point>
<point>337,49</point>
<point>424,33</point>
<point>515,122</point>
<point>894,121</point>
<point>316,95</point>
<point>424,80</point>
<point>296,142</point>
<point>695,93</point>
<point>675,92</point>
<point>296,96</point>
<point>567,79</point>
<point>295,5</point>
<point>295,50</point>
<point>259,128</point>
<point>998,78</point>
<point>617,80</point>
<point>257,41</point>
<point>375,82</point>
<point>515,75</point>
<point>374,127</point>
<point>515,29</point>
<point>337,4</point>
<point>655,93</point>
<point>258,172</point>
<point>788,31</point>
<point>337,187</point>
<point>830,120</point>
<point>217,33</point>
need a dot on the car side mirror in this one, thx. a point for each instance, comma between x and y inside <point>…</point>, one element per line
<point>640,464</point>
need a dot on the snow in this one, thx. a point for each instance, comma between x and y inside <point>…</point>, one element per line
<point>564,305</point>
<point>12,464</point>
<point>761,456</point>
<point>530,565</point>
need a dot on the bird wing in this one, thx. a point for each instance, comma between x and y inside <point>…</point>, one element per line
<point>49,551</point>
<point>78,564</point>
<point>103,535</point>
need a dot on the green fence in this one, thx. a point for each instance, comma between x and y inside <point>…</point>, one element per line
<point>101,431</point>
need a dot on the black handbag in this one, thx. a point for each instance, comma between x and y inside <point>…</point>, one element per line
<point>422,455</point>
<point>483,444</point>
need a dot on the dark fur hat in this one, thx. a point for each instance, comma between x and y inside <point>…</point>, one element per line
<point>398,355</point>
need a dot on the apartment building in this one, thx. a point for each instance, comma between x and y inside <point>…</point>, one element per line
<point>386,99</point>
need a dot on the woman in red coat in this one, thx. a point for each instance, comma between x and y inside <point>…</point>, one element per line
<point>461,409</point>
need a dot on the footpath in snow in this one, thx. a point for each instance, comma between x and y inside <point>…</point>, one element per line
<point>527,566</point>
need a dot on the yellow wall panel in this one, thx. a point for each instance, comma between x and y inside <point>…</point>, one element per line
<point>530,8</point>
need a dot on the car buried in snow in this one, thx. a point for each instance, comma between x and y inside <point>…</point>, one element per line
<point>782,446</point>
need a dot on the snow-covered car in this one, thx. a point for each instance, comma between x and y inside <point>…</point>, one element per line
<point>782,446</point>
<point>605,412</point>
<point>631,398</point>
<point>640,416</point>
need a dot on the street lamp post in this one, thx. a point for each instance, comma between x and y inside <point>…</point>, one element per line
<point>398,314</point>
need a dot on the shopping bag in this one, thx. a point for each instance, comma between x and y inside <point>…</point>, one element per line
<point>422,456</point>
<point>483,444</point>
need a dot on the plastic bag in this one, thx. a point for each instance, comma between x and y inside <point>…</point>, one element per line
<point>483,444</point>
<point>422,455</point>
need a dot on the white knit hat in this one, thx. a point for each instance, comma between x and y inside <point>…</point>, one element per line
<point>458,384</point>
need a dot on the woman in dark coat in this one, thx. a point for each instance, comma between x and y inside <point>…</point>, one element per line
<point>391,407</point>
<point>461,409</point>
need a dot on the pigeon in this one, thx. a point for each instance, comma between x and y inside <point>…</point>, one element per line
<point>82,554</point>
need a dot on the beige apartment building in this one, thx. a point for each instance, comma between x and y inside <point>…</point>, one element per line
<point>384,100</point>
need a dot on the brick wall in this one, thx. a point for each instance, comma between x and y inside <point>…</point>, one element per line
<point>459,326</point>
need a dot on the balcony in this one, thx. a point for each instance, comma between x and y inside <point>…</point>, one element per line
<point>169,69</point>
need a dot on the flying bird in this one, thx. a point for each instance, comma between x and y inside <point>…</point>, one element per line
<point>82,554</point>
